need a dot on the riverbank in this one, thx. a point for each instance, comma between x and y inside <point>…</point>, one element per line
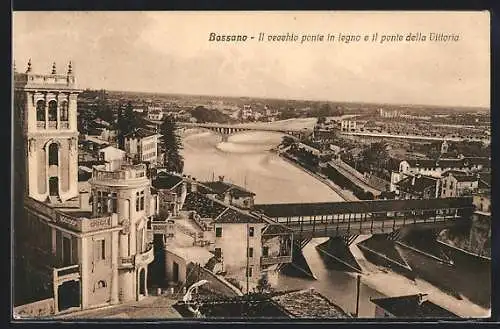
<point>346,195</point>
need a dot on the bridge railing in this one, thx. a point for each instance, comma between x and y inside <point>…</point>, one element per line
<point>376,222</point>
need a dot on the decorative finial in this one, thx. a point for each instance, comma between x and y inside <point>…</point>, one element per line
<point>70,69</point>
<point>28,70</point>
<point>54,68</point>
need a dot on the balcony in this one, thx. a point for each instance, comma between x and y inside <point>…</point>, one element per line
<point>64,124</point>
<point>271,260</point>
<point>52,124</point>
<point>145,258</point>
<point>40,124</point>
<point>126,172</point>
<point>126,262</point>
<point>78,222</point>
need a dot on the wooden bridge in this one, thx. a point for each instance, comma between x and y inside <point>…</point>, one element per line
<point>336,219</point>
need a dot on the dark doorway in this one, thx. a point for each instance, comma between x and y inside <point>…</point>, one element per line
<point>66,251</point>
<point>156,270</point>
<point>53,186</point>
<point>265,251</point>
<point>68,295</point>
<point>175,270</point>
<point>142,283</point>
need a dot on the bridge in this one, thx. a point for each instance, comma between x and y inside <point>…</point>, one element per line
<point>414,137</point>
<point>332,219</point>
<point>345,221</point>
<point>228,129</point>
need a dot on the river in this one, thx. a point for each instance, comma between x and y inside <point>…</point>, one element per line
<point>245,159</point>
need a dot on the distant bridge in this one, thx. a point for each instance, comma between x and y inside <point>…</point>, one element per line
<point>228,129</point>
<point>339,219</point>
<point>414,137</point>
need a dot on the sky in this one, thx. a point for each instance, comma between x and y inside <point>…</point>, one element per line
<point>170,52</point>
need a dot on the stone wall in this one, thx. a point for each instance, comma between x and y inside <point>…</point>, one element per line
<point>33,310</point>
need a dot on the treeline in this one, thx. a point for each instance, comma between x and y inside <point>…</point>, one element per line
<point>335,176</point>
<point>203,115</point>
<point>325,110</point>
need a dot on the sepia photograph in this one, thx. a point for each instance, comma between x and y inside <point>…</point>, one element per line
<point>190,166</point>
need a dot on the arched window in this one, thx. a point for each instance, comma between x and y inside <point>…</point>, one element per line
<point>64,111</point>
<point>40,110</point>
<point>53,154</point>
<point>52,110</point>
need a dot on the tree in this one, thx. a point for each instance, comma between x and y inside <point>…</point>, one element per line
<point>172,145</point>
<point>126,123</point>
<point>287,141</point>
<point>375,156</point>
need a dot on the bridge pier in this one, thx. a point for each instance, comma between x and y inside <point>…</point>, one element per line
<point>299,265</point>
<point>338,249</point>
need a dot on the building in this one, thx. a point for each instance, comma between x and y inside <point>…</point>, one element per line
<point>435,168</point>
<point>246,112</point>
<point>155,113</point>
<point>410,307</point>
<point>229,193</point>
<point>142,145</point>
<point>112,154</point>
<point>83,250</point>
<point>418,187</point>
<point>456,183</point>
<point>47,134</point>
<point>171,189</point>
<point>265,243</point>
<point>389,114</point>
<point>348,125</point>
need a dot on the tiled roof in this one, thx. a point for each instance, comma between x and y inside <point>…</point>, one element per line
<point>308,304</point>
<point>166,181</point>
<point>140,133</point>
<point>412,307</point>
<point>203,206</point>
<point>448,163</point>
<point>453,172</point>
<point>235,216</point>
<point>461,176</point>
<point>420,184</point>
<point>223,187</point>
<point>276,229</point>
<point>485,178</point>
<point>324,208</point>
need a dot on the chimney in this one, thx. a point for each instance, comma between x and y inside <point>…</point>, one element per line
<point>221,178</point>
<point>194,185</point>
<point>84,199</point>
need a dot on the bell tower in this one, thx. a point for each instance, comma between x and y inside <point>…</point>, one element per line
<point>45,111</point>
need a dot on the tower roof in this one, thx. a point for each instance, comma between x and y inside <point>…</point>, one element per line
<point>51,81</point>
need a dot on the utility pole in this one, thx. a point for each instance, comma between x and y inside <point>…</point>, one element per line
<point>248,242</point>
<point>358,283</point>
